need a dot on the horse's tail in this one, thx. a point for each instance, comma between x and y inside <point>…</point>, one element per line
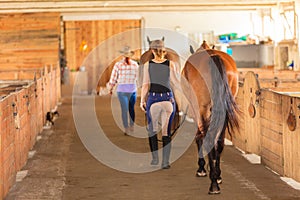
<point>224,108</point>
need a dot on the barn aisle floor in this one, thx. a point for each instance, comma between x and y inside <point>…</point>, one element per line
<point>62,168</point>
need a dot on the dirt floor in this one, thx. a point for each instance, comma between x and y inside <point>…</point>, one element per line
<point>67,167</point>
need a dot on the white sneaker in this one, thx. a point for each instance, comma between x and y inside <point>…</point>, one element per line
<point>131,129</point>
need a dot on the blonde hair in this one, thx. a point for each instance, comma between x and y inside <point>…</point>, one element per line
<point>158,47</point>
<point>161,52</point>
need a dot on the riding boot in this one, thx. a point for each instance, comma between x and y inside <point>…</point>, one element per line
<point>166,152</point>
<point>154,149</point>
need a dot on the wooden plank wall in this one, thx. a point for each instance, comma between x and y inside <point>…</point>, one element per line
<point>291,139</point>
<point>29,40</point>
<point>268,134</point>
<point>104,38</point>
<point>22,116</point>
<point>271,130</point>
<point>239,137</point>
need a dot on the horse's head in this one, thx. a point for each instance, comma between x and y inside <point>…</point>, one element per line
<point>203,46</point>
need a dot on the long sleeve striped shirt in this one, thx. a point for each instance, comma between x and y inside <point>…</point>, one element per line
<point>125,76</point>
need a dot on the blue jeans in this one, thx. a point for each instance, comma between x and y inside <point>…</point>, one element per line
<point>158,97</point>
<point>127,101</point>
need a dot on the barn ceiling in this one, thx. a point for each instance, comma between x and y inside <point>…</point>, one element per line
<point>130,5</point>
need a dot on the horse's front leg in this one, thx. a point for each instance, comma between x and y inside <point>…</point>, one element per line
<point>213,175</point>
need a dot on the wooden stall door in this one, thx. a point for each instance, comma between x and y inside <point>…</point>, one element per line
<point>251,114</point>
<point>96,45</point>
<point>291,139</point>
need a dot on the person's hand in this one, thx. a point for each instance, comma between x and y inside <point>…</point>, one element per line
<point>143,106</point>
<point>109,88</point>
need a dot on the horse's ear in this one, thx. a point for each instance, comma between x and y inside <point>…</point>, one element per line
<point>163,38</point>
<point>148,39</point>
<point>192,49</point>
<point>213,47</point>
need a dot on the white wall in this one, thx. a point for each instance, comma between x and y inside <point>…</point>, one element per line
<point>219,22</point>
<point>177,27</point>
<point>188,23</point>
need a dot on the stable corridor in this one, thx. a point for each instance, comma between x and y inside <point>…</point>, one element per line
<point>62,168</point>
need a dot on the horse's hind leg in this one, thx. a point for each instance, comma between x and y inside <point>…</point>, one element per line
<point>201,172</point>
<point>219,150</point>
<point>214,186</point>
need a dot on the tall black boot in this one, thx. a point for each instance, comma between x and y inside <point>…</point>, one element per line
<point>166,152</point>
<point>154,149</point>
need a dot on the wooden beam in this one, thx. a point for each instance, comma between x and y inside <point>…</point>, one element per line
<point>128,6</point>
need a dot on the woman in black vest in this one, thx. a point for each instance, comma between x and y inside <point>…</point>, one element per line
<point>157,95</point>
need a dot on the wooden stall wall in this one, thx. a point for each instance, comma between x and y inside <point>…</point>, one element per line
<point>291,138</point>
<point>271,130</point>
<point>239,137</point>
<point>267,133</point>
<point>105,38</point>
<point>28,40</point>
<point>22,116</point>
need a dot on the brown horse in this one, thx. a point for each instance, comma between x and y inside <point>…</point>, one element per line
<point>215,110</point>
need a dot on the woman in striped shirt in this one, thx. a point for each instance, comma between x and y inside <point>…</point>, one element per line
<point>125,74</point>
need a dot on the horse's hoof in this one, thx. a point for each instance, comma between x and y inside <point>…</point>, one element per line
<point>188,119</point>
<point>219,180</point>
<point>180,113</point>
<point>214,189</point>
<point>214,192</point>
<point>201,174</point>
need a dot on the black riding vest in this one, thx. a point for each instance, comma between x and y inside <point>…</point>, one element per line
<point>159,77</point>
